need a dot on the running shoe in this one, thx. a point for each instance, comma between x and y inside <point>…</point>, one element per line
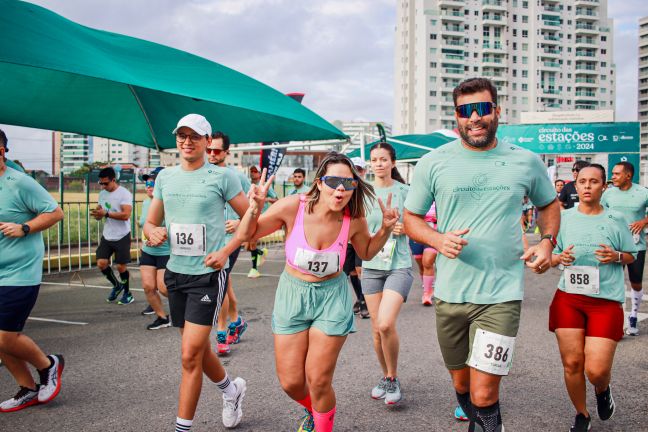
<point>260,259</point>
<point>23,399</point>
<point>50,379</point>
<point>222,347</point>
<point>364,312</point>
<point>605,404</point>
<point>632,329</point>
<point>235,331</point>
<point>581,424</point>
<point>307,422</point>
<point>254,273</point>
<point>117,289</point>
<point>127,298</point>
<point>460,415</point>
<point>426,299</point>
<point>232,407</point>
<point>148,311</point>
<point>393,393</point>
<point>380,390</point>
<point>356,308</point>
<point>159,323</point>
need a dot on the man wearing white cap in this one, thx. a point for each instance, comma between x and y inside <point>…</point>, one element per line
<point>191,199</point>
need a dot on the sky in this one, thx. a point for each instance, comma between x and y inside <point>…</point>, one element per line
<point>339,52</point>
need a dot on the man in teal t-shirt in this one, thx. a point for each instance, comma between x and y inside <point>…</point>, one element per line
<point>299,175</point>
<point>478,184</point>
<point>26,209</point>
<point>191,199</point>
<point>228,331</point>
<point>631,200</point>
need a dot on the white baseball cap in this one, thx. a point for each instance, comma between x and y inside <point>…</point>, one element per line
<point>198,123</point>
<point>359,162</point>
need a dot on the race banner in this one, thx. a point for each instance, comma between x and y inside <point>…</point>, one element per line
<point>271,158</point>
<point>622,137</point>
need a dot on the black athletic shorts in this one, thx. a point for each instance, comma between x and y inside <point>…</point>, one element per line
<point>635,270</point>
<point>157,261</point>
<point>195,298</point>
<point>351,261</point>
<point>16,303</point>
<point>121,249</point>
<point>231,260</point>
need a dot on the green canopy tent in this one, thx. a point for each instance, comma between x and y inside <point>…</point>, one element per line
<point>410,148</point>
<point>59,75</point>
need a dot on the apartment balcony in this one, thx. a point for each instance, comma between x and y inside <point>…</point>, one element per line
<point>451,16</point>
<point>552,10</point>
<point>449,41</point>
<point>585,82</point>
<point>551,53</point>
<point>550,65</point>
<point>585,53</point>
<point>452,3</point>
<point>586,3</point>
<point>586,106</point>
<point>452,72</point>
<point>584,15</point>
<point>586,95</point>
<point>493,47</point>
<point>550,39</point>
<point>549,92</point>
<point>587,70</point>
<point>454,58</point>
<point>583,42</point>
<point>495,62</point>
<point>493,20</point>
<point>454,30</point>
<point>493,5</point>
<point>550,24</point>
<point>585,28</point>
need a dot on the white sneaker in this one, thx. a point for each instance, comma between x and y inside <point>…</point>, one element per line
<point>24,398</point>
<point>380,390</point>
<point>232,411</point>
<point>50,378</point>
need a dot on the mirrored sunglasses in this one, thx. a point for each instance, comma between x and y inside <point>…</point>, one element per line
<point>482,108</point>
<point>349,183</point>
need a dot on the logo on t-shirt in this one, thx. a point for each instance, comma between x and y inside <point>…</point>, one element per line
<point>480,186</point>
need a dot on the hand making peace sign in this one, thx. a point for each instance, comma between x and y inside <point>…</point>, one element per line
<point>258,192</point>
<point>390,215</point>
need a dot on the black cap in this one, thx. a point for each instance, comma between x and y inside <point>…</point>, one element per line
<point>153,174</point>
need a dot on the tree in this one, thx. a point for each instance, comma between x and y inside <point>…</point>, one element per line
<point>86,168</point>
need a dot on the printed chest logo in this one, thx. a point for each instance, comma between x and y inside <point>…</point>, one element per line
<point>480,186</point>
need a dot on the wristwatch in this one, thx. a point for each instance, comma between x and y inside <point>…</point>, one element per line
<point>25,229</point>
<point>551,238</point>
<point>106,216</point>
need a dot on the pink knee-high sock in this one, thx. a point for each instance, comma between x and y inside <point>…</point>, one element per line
<point>324,421</point>
<point>428,284</point>
<point>306,403</point>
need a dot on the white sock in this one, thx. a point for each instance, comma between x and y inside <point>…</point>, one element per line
<point>183,425</point>
<point>227,387</point>
<point>636,301</point>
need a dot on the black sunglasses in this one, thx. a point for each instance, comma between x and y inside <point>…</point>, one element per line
<point>349,183</point>
<point>482,108</point>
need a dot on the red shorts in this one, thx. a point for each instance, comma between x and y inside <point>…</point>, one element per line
<point>598,317</point>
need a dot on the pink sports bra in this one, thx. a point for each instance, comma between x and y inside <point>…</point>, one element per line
<point>317,262</point>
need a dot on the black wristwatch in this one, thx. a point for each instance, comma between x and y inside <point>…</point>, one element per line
<point>25,229</point>
<point>106,214</point>
<point>551,238</point>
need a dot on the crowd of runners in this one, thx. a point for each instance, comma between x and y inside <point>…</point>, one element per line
<point>459,218</point>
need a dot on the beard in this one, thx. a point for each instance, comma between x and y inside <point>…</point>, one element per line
<point>487,140</point>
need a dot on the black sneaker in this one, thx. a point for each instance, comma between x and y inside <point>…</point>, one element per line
<point>356,308</point>
<point>581,424</point>
<point>364,312</point>
<point>159,323</point>
<point>605,404</point>
<point>148,311</point>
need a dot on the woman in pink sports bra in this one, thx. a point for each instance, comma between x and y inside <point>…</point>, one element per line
<point>313,310</point>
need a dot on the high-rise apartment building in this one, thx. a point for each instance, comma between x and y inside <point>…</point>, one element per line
<point>70,151</point>
<point>643,85</point>
<point>542,55</point>
<point>119,152</point>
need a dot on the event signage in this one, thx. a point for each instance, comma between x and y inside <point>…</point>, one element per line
<point>573,137</point>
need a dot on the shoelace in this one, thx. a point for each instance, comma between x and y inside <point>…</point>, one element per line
<point>308,422</point>
<point>44,375</point>
<point>23,392</point>
<point>391,385</point>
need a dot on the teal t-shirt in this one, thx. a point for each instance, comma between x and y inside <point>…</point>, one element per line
<point>481,191</point>
<point>300,190</point>
<point>12,164</point>
<point>230,214</point>
<point>196,197</point>
<point>401,257</point>
<point>21,200</point>
<point>586,233</point>
<point>631,204</point>
<point>162,250</point>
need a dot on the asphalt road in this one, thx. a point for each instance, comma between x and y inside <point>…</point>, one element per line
<point>121,377</point>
